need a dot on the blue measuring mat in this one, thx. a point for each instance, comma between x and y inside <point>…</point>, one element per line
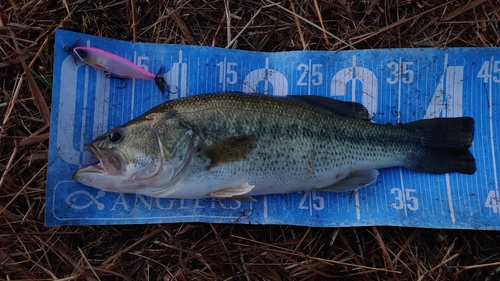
<point>397,85</point>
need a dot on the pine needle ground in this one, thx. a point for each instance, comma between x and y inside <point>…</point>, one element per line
<point>30,251</point>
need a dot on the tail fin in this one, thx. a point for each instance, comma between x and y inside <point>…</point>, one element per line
<point>446,142</point>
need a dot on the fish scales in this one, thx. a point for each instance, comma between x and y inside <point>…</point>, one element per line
<point>292,146</point>
<point>295,143</point>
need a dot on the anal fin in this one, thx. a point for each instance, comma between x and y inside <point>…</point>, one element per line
<point>239,192</point>
<point>352,181</point>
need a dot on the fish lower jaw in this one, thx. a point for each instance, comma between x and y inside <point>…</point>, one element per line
<point>94,171</point>
<point>97,168</point>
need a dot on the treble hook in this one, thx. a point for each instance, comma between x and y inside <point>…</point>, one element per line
<point>162,84</point>
<point>114,76</point>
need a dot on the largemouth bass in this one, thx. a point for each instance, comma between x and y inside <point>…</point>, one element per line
<point>234,145</point>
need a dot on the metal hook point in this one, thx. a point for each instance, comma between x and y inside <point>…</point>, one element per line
<point>122,79</point>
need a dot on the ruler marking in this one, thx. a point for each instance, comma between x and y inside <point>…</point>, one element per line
<point>84,112</point>
<point>133,90</point>
<point>224,73</point>
<point>353,79</point>
<point>400,77</point>
<point>358,207</point>
<point>447,176</point>
<point>310,79</point>
<point>450,201</point>
<point>265,207</point>
<point>492,137</point>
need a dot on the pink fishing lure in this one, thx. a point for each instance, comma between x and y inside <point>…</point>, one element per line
<point>116,66</point>
<point>111,63</point>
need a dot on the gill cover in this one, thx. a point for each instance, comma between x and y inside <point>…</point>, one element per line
<point>144,156</point>
<point>174,140</point>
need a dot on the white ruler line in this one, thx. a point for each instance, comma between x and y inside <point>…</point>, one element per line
<point>132,97</point>
<point>353,98</point>
<point>265,207</point>
<point>358,207</point>
<point>266,80</point>
<point>450,201</point>
<point>492,139</point>
<point>353,81</point>
<point>84,111</point>
<point>447,176</point>
<point>84,114</point>
<point>182,88</point>
<point>399,88</point>
<point>310,203</point>
<point>399,121</point>
<point>224,73</point>
<point>403,191</point>
<point>309,78</point>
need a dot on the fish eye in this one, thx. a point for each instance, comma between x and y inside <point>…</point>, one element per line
<point>115,136</point>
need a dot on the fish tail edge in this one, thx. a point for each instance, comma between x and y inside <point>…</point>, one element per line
<point>446,144</point>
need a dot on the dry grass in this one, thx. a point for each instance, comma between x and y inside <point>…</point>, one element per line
<point>30,251</point>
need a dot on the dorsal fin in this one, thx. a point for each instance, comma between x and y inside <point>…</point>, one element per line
<point>343,108</point>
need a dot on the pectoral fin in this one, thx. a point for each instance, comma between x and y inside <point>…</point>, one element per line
<point>229,150</point>
<point>352,181</point>
<point>239,192</point>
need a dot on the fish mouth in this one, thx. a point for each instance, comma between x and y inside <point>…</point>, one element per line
<point>106,174</point>
<point>109,163</point>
